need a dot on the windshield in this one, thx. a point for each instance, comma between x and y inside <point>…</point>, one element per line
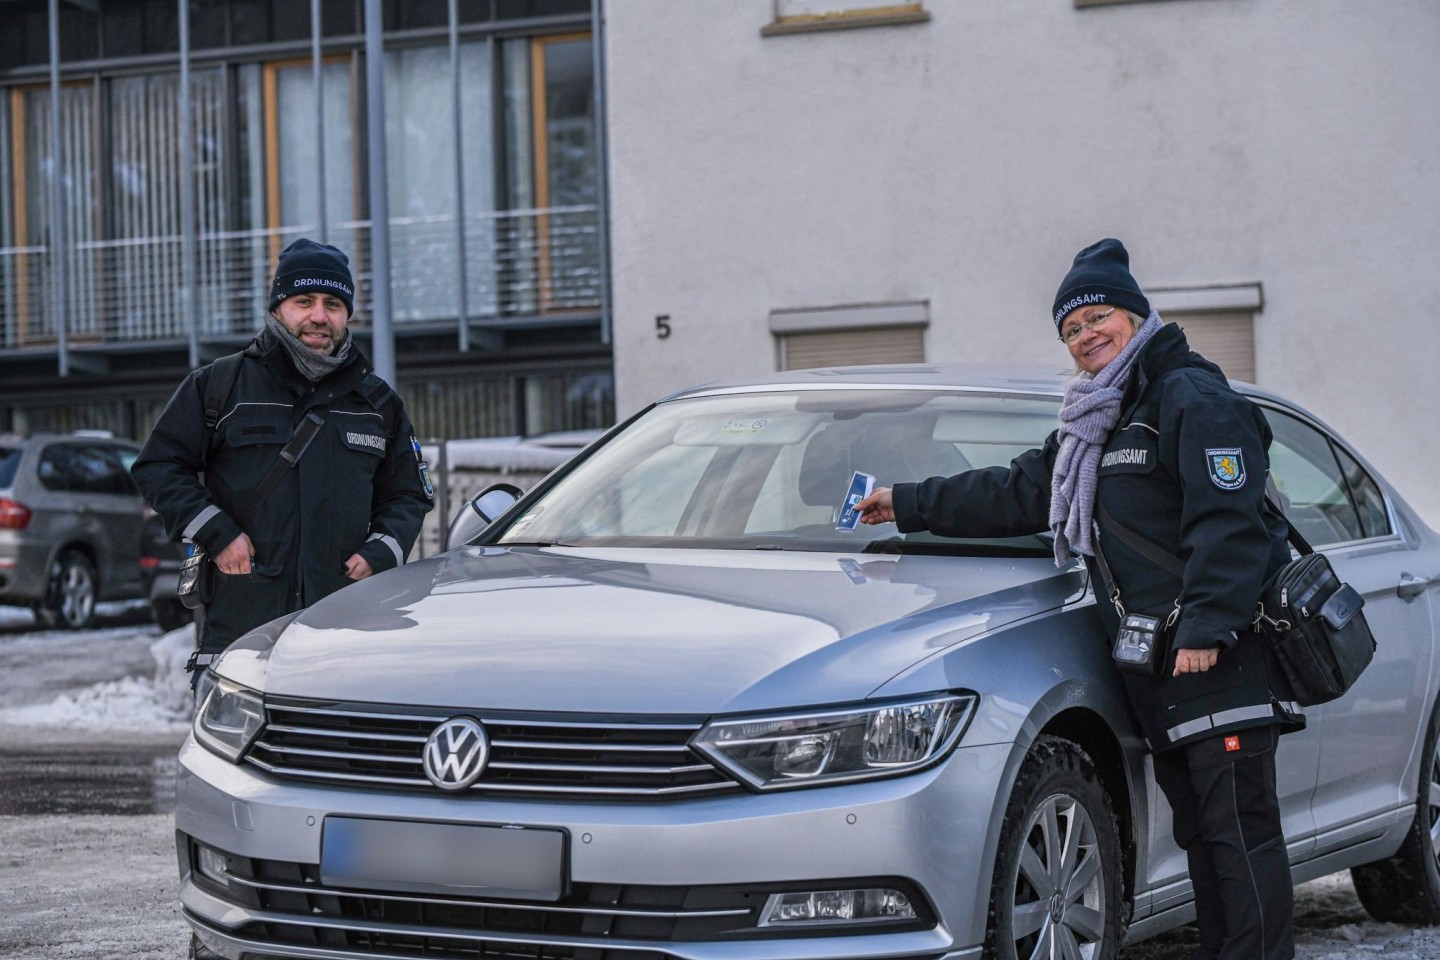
<point>770,471</point>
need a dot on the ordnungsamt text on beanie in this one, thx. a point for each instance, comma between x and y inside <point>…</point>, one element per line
<point>1100,275</point>
<point>306,266</point>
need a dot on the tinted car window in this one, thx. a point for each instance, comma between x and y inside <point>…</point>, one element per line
<point>9,463</point>
<point>57,468</point>
<point>1313,487</point>
<point>1365,492</point>
<point>116,476</point>
<point>84,468</point>
<point>106,473</point>
<point>772,469</point>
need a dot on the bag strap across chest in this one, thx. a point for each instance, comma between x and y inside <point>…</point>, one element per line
<point>223,374</point>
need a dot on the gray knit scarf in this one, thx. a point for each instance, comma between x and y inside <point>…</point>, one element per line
<point>1087,415</point>
<point>312,366</point>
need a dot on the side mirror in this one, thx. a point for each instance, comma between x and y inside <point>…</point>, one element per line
<point>479,512</point>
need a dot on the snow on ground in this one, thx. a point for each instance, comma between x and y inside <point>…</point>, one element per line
<point>1330,924</point>
<point>99,887</point>
<point>156,700</point>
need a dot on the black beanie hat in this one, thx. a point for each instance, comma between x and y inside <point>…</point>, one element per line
<point>1100,274</point>
<point>307,266</point>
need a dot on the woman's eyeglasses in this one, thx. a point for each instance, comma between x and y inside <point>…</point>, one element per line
<point>1070,333</point>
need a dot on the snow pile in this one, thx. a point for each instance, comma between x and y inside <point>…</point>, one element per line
<point>157,704</point>
<point>15,617</point>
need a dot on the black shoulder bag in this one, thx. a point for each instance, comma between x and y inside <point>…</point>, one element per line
<point>1315,625</point>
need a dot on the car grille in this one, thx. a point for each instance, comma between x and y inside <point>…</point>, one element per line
<point>292,907</point>
<point>369,746</point>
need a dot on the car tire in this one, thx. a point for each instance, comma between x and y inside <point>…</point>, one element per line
<point>170,614</point>
<point>1405,888</point>
<point>70,592</point>
<point>1056,890</point>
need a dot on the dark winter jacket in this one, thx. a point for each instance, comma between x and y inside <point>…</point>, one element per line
<point>1185,468</point>
<point>358,488</point>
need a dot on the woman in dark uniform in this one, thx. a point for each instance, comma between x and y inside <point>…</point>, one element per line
<point>1158,459</point>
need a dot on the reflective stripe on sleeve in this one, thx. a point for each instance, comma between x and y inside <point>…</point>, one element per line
<point>201,518</point>
<point>390,542</point>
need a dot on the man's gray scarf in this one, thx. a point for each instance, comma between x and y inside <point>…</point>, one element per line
<point>1088,414</point>
<point>312,366</point>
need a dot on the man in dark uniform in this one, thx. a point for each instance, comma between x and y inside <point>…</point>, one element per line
<point>284,532</point>
<point>1159,454</point>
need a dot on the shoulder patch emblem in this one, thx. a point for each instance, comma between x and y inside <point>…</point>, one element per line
<point>1226,467</point>
<point>424,467</point>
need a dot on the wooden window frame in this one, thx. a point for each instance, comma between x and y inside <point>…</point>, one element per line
<point>19,190</point>
<point>540,160</point>
<point>270,106</point>
<point>847,15</point>
<point>1081,4</point>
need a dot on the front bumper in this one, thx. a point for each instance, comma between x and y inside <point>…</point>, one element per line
<point>929,831</point>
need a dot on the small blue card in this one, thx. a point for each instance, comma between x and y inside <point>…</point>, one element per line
<point>860,486</point>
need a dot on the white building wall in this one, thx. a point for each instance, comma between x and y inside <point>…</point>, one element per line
<point>963,161</point>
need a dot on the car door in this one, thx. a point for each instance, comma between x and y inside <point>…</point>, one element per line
<point>107,510</point>
<point>1365,739</point>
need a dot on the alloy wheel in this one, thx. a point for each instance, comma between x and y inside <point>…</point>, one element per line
<point>1059,906</point>
<point>74,591</point>
<point>1433,802</point>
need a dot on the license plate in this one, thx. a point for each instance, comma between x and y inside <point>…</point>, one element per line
<point>517,863</point>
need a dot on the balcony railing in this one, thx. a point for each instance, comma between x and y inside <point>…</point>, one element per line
<point>527,263</point>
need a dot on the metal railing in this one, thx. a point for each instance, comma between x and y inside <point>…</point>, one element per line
<point>518,263</point>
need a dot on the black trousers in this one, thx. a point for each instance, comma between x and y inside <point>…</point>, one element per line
<point>1227,820</point>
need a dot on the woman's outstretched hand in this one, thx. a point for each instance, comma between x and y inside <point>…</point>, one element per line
<point>877,508</point>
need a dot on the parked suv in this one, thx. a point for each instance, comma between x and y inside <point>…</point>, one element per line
<point>69,524</point>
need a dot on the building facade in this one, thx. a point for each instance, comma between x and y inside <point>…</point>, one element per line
<point>805,182</point>
<point>494,203</point>
<point>790,183</point>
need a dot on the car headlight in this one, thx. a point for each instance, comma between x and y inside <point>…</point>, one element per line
<point>230,716</point>
<point>861,743</point>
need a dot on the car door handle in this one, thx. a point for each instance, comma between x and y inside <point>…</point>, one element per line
<point>1411,587</point>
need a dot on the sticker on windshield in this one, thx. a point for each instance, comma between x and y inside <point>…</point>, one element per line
<point>860,486</point>
<point>744,426</point>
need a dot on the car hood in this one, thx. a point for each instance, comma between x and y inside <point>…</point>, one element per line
<point>642,630</point>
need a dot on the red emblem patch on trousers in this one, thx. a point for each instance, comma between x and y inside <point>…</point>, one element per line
<point>1232,743</point>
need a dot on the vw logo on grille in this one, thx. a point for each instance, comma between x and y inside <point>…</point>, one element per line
<point>455,753</point>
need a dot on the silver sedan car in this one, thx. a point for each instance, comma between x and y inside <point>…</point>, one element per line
<point>666,706</point>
